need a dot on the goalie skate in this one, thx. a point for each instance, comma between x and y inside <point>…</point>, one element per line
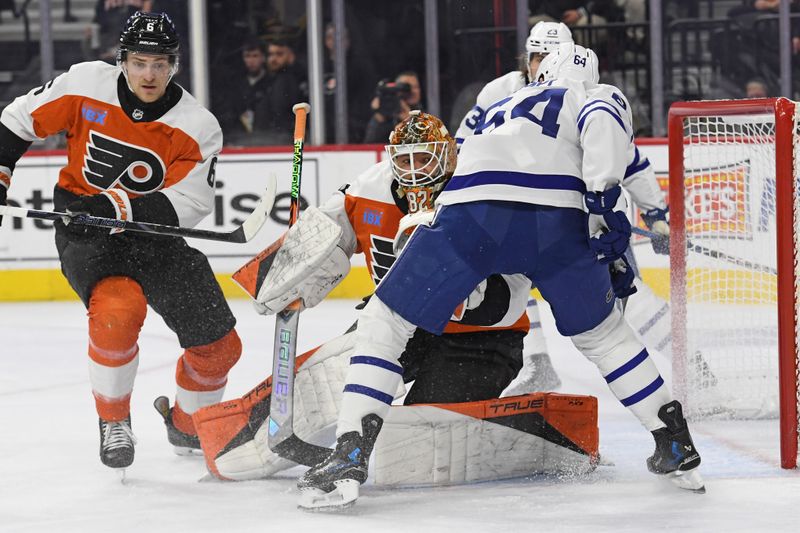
<point>537,374</point>
<point>183,443</point>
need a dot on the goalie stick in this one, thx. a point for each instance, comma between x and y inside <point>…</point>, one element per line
<point>281,437</point>
<point>242,234</point>
<point>709,252</point>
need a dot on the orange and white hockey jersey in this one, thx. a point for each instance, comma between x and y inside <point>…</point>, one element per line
<point>369,212</point>
<point>114,141</point>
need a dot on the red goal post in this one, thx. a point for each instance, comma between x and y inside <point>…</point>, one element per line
<point>724,344</point>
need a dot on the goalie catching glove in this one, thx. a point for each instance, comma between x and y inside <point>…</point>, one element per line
<point>308,264</point>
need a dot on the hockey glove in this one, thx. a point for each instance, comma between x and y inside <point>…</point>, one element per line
<point>98,205</point>
<point>656,221</point>
<point>3,192</point>
<point>622,278</point>
<point>609,230</point>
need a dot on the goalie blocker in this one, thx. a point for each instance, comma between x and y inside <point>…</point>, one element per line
<point>424,444</point>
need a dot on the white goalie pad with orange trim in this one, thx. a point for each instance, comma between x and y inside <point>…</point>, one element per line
<point>419,445</point>
<point>233,434</point>
<point>445,444</point>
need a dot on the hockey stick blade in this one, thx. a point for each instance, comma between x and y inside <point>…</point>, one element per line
<point>709,252</point>
<point>242,234</point>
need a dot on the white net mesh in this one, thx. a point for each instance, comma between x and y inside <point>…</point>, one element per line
<point>731,366</point>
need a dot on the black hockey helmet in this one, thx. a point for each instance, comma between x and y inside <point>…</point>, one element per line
<point>149,33</point>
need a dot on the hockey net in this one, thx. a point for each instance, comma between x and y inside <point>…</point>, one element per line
<point>734,261</point>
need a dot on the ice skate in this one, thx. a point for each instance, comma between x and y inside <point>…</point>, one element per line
<point>183,443</point>
<point>676,456</point>
<point>334,484</point>
<point>117,444</point>
<point>537,375</point>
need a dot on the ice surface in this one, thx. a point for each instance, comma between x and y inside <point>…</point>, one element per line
<point>52,480</point>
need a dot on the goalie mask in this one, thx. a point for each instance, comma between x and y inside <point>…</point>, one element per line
<point>422,154</point>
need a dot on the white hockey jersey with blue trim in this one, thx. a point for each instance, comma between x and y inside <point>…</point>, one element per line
<point>495,90</point>
<point>546,144</point>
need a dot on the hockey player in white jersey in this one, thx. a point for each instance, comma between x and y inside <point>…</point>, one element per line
<point>647,313</point>
<point>543,39</point>
<point>543,170</point>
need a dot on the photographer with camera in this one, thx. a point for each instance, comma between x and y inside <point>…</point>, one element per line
<point>391,104</point>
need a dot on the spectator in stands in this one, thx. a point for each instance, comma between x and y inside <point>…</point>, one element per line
<point>574,12</point>
<point>273,118</point>
<point>756,88</point>
<point>257,106</point>
<point>361,79</point>
<point>236,112</point>
<point>391,104</point>
<point>102,37</point>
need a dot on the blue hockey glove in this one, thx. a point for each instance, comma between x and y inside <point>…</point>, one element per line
<point>609,230</point>
<point>656,221</point>
<point>622,278</point>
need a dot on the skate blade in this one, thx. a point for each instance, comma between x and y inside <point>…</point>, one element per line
<point>123,475</point>
<point>185,451</point>
<point>690,480</point>
<point>342,497</point>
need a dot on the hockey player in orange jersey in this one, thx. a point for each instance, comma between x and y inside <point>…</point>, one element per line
<point>139,148</point>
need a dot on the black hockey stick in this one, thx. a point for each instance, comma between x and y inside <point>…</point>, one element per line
<point>242,234</point>
<point>709,252</point>
<point>281,437</point>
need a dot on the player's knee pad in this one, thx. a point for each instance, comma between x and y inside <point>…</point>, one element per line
<point>117,309</point>
<point>608,342</point>
<point>205,368</point>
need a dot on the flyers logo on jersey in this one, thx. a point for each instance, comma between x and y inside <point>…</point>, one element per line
<point>112,163</point>
<point>382,256</point>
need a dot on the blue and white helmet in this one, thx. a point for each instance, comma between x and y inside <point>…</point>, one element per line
<point>546,36</point>
<point>571,61</point>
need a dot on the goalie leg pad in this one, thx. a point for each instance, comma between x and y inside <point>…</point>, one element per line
<point>443,444</point>
<point>234,434</point>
